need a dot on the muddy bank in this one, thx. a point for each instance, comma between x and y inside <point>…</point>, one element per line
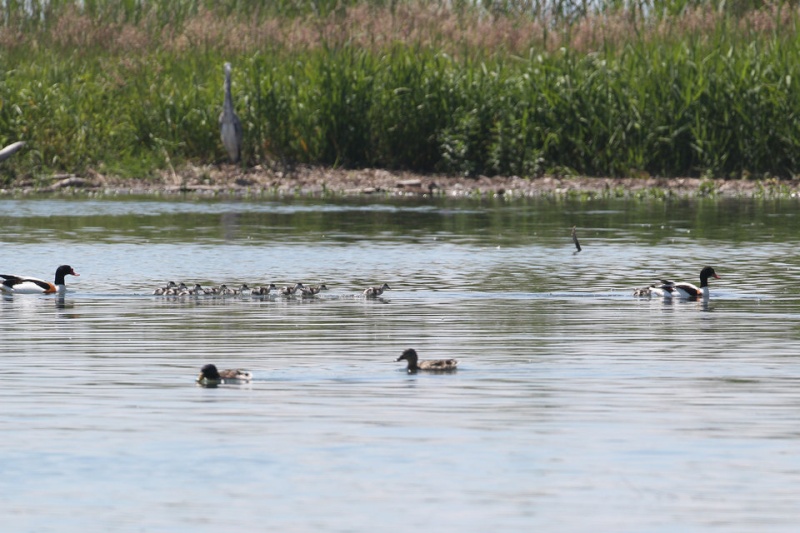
<point>315,181</point>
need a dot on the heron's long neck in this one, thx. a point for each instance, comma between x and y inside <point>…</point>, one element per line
<point>227,106</point>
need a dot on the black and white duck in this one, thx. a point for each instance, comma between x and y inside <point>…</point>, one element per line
<point>13,284</point>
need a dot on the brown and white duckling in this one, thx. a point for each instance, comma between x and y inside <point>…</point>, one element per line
<point>436,365</point>
<point>222,290</point>
<point>179,290</point>
<point>209,375</point>
<point>160,291</point>
<point>374,292</point>
<point>289,290</point>
<point>197,290</point>
<point>313,290</point>
<point>687,290</point>
<point>263,290</point>
<point>26,285</point>
<point>244,289</point>
<point>665,290</point>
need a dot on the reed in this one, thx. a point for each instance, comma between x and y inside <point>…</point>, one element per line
<point>130,87</point>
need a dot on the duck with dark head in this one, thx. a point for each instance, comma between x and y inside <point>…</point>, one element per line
<point>13,284</point>
<point>433,365</point>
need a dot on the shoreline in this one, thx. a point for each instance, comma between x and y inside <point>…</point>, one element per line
<point>229,180</point>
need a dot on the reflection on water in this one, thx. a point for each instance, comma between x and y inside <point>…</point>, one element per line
<point>575,407</point>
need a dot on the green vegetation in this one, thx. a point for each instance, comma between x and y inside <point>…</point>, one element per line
<point>507,87</point>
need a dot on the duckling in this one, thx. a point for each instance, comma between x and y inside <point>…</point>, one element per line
<point>313,290</point>
<point>665,290</point>
<point>177,290</point>
<point>374,292</point>
<point>197,290</point>
<point>289,291</point>
<point>414,364</point>
<point>209,375</point>
<point>263,290</point>
<point>222,290</point>
<point>214,291</point>
<point>160,291</point>
<point>244,289</point>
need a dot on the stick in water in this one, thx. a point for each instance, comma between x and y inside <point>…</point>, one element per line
<point>575,239</point>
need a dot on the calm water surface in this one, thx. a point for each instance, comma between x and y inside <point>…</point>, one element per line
<point>575,407</point>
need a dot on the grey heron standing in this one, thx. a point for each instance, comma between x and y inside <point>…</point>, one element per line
<point>230,126</point>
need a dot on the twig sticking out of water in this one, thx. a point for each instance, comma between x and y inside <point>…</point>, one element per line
<point>575,239</point>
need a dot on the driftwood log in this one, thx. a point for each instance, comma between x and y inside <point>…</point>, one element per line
<point>9,150</point>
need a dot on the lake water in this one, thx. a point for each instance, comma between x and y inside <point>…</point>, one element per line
<point>575,407</point>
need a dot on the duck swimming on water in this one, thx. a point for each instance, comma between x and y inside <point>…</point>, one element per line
<point>290,291</point>
<point>263,290</point>
<point>374,292</point>
<point>26,285</point>
<point>665,290</point>
<point>209,375</point>
<point>313,290</point>
<point>688,290</point>
<point>435,365</point>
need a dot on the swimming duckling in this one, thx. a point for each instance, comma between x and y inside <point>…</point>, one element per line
<point>665,290</point>
<point>263,290</point>
<point>209,375</point>
<point>222,290</point>
<point>215,291</point>
<point>197,290</point>
<point>160,291</point>
<point>313,290</point>
<point>177,290</point>
<point>289,291</point>
<point>244,289</point>
<point>374,292</point>
<point>438,365</point>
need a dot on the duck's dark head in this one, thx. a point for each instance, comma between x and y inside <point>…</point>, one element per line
<point>708,272</point>
<point>64,270</point>
<point>209,372</point>
<point>409,355</point>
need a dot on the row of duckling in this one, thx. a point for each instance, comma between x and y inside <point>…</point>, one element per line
<point>181,289</point>
<point>210,376</point>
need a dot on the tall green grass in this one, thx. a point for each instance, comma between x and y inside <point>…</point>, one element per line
<point>147,93</point>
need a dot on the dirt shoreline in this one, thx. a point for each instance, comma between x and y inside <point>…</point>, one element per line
<point>228,180</point>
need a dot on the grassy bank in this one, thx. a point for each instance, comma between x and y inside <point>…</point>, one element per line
<point>128,89</point>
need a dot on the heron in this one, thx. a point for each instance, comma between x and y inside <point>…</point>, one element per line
<point>230,126</point>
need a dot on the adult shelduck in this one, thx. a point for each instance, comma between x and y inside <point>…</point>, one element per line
<point>24,285</point>
<point>687,290</point>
